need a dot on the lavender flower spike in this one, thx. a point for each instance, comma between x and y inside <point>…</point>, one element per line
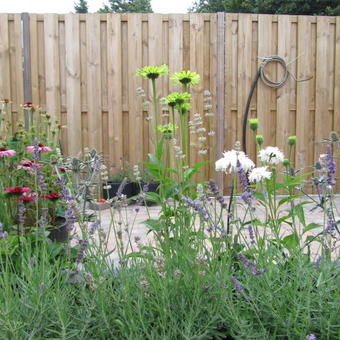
<point>238,286</point>
<point>21,214</point>
<point>331,167</point>
<point>251,266</point>
<point>2,233</point>
<point>311,337</point>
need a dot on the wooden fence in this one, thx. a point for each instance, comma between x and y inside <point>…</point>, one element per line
<point>81,68</point>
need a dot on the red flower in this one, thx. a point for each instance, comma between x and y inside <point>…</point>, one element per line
<point>17,190</point>
<point>24,199</point>
<point>52,196</point>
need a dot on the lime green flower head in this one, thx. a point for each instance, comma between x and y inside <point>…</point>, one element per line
<point>153,72</point>
<point>186,78</point>
<point>253,123</point>
<point>259,139</point>
<point>183,108</point>
<point>167,128</point>
<point>177,98</point>
<point>291,140</point>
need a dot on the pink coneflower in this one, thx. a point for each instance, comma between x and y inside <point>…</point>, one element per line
<point>5,152</point>
<point>52,196</point>
<point>24,199</point>
<point>17,190</point>
<point>41,148</point>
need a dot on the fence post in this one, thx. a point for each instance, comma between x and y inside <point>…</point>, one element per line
<point>220,92</point>
<point>26,61</point>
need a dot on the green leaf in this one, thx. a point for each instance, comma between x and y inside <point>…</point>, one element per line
<point>291,241</point>
<point>312,226</point>
<point>299,212</point>
<point>287,199</point>
<point>153,224</point>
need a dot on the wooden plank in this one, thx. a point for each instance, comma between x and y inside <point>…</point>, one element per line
<point>27,57</point>
<point>212,89</point>
<point>41,64</point>
<point>284,124</point>
<point>323,116</point>
<point>244,50</point>
<point>305,117</point>
<point>94,113</point>
<point>114,41</point>
<point>266,117</point>
<point>220,92</point>
<point>135,110</point>
<point>336,124</point>
<point>16,62</point>
<point>34,67</point>
<point>5,79</point>
<point>196,65</point>
<point>73,84</point>
<point>52,70</point>
<point>155,56</point>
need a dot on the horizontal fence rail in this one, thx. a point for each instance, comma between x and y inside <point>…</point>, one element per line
<point>82,70</point>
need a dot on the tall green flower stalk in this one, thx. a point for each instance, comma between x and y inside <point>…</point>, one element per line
<point>153,73</point>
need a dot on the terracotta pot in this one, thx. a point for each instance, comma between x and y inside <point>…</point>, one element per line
<point>59,232</point>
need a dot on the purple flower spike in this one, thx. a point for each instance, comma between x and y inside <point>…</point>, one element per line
<point>311,337</point>
<point>251,266</point>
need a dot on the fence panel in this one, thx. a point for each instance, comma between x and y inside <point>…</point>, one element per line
<point>82,71</point>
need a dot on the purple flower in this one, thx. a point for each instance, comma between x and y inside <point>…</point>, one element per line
<point>247,195</point>
<point>70,215</point>
<point>40,178</point>
<point>317,262</point>
<point>213,188</point>
<point>251,234</point>
<point>202,211</point>
<point>238,286</point>
<point>331,166</point>
<point>83,245</point>
<point>311,337</point>
<point>2,233</point>
<point>249,265</point>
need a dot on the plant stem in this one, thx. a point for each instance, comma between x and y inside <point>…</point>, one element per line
<point>155,108</point>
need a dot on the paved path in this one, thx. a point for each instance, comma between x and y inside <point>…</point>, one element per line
<point>128,224</point>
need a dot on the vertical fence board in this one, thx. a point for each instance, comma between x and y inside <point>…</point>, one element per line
<point>94,108</point>
<point>72,40</point>
<point>135,110</point>
<point>220,93</point>
<point>323,116</point>
<point>336,124</point>
<point>52,71</point>
<point>115,90</point>
<point>5,79</point>
<point>305,119</point>
<point>264,93</point>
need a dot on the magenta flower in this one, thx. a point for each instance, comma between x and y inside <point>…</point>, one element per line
<point>5,152</point>
<point>28,166</point>
<point>17,190</point>
<point>41,148</point>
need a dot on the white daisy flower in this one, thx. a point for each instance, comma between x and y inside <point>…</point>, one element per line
<point>271,155</point>
<point>229,162</point>
<point>259,174</point>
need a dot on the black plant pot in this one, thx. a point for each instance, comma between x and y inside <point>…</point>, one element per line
<point>129,190</point>
<point>59,231</point>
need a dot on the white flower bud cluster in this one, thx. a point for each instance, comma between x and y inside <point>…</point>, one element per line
<point>136,173</point>
<point>140,92</point>
<point>104,174</point>
<point>178,151</point>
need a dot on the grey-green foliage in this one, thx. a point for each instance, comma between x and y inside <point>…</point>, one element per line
<point>299,7</point>
<point>81,6</point>
<point>127,6</point>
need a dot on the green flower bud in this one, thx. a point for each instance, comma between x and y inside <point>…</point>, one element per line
<point>259,139</point>
<point>334,136</point>
<point>253,123</point>
<point>286,162</point>
<point>291,140</point>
